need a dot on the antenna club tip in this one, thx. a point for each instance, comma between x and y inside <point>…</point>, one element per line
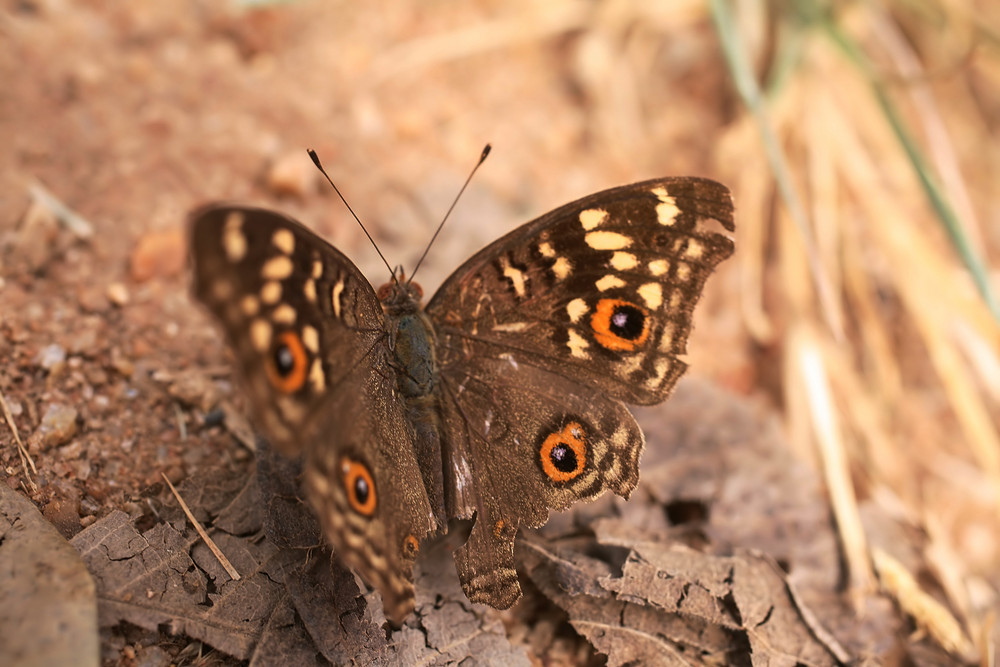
<point>486,151</point>
<point>314,158</point>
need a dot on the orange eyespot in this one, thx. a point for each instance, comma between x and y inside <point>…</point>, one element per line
<point>359,486</point>
<point>563,455</point>
<point>619,325</point>
<point>411,546</point>
<point>286,369</point>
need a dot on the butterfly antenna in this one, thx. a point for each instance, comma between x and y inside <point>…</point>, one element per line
<point>482,158</point>
<point>319,165</point>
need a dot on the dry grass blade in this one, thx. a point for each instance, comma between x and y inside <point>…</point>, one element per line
<point>26,460</point>
<point>806,355</point>
<point>738,61</point>
<point>928,613</point>
<point>927,288</point>
<point>77,224</point>
<point>216,551</point>
<point>942,206</point>
<point>907,400</point>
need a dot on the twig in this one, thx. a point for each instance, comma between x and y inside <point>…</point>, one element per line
<point>26,460</point>
<point>221,557</point>
<point>74,222</point>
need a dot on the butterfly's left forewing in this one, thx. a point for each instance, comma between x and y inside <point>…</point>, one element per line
<point>309,336</point>
<point>541,338</point>
<point>276,286</point>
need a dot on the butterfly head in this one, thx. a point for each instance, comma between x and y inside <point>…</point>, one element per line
<point>400,297</point>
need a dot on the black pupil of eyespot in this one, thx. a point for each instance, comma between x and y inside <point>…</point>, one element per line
<point>361,490</point>
<point>563,458</point>
<point>284,360</point>
<point>627,322</point>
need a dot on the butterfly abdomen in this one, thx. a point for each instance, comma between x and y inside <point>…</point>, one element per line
<point>412,345</point>
<point>411,339</point>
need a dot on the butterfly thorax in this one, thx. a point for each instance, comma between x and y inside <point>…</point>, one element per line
<point>410,338</point>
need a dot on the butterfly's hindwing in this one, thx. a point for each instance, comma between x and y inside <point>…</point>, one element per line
<point>523,441</point>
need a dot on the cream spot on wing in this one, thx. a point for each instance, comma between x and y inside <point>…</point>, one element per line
<point>609,282</point>
<point>660,371</point>
<point>561,268</point>
<point>667,337</point>
<point>317,269</point>
<point>284,314</point>
<point>623,261</point>
<point>270,293</point>
<point>309,289</point>
<point>234,243</point>
<point>511,327</point>
<point>250,305</point>
<point>695,249</point>
<point>514,275</point>
<point>614,471</point>
<point>338,289</point>
<point>355,542</point>
<point>292,410</point>
<point>577,345</point>
<point>277,268</point>
<point>676,297</point>
<point>546,250</point>
<point>310,338</point>
<point>683,272</point>
<point>260,334</point>
<point>592,217</point>
<point>576,309</point>
<point>666,210</point>
<point>316,376</point>
<point>630,364</point>
<point>659,267</point>
<point>620,437</point>
<point>607,240</point>
<point>652,294</point>
<point>284,240</point>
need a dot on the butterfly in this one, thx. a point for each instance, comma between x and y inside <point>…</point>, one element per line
<point>499,400</point>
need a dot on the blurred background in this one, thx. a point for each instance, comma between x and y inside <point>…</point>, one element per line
<point>860,140</point>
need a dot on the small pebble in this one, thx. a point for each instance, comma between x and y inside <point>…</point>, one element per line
<point>121,363</point>
<point>117,294</point>
<point>58,426</point>
<point>50,355</point>
<point>90,299</point>
<point>35,240</point>
<point>161,254</point>
<point>16,409</point>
